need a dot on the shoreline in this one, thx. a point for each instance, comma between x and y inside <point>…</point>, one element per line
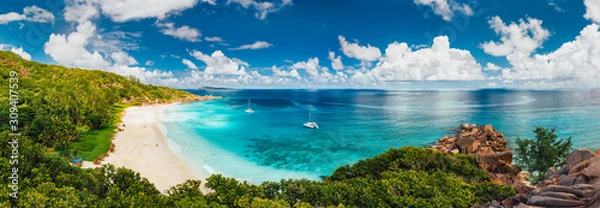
<point>144,147</point>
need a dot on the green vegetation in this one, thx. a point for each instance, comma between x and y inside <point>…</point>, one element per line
<point>543,152</point>
<point>94,143</point>
<point>412,159</point>
<point>74,110</point>
<point>48,181</point>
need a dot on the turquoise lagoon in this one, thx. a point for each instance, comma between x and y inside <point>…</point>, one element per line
<point>271,143</point>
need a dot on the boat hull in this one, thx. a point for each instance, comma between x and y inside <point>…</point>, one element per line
<point>311,125</point>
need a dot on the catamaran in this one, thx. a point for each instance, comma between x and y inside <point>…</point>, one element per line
<point>309,123</point>
<point>249,109</point>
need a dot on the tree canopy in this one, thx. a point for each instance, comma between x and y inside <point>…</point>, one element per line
<point>543,152</point>
<point>59,106</point>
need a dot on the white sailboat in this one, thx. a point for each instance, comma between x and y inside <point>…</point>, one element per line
<point>310,124</point>
<point>249,109</point>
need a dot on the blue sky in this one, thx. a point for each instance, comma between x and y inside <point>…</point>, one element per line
<point>398,44</point>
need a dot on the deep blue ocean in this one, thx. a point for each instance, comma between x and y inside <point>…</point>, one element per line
<point>271,143</point>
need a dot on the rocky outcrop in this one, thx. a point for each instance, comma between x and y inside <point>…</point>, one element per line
<point>579,155</point>
<point>489,147</point>
<point>515,200</point>
<point>473,139</point>
<point>546,201</point>
<point>496,162</point>
<point>577,184</point>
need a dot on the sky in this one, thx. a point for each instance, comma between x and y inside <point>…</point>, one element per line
<point>388,44</point>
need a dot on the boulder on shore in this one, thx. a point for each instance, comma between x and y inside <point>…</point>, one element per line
<point>545,201</point>
<point>579,155</point>
<point>515,200</point>
<point>577,184</point>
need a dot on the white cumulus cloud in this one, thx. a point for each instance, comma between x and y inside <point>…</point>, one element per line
<point>183,33</point>
<point>80,11</point>
<point>254,46</point>
<point>189,64</point>
<point>30,13</point>
<point>446,8</point>
<point>319,74</point>
<point>211,2</point>
<point>282,73</point>
<point>525,37</point>
<point>122,58</point>
<point>126,10</point>
<point>592,10</point>
<point>363,53</point>
<point>575,63</point>
<point>213,39</point>
<point>437,63</point>
<point>492,67</point>
<point>336,61</point>
<point>219,64</point>
<point>311,66</point>
<point>70,50</point>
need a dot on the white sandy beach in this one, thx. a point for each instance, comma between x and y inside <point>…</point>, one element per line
<point>142,147</point>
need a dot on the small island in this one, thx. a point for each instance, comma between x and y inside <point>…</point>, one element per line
<point>214,88</point>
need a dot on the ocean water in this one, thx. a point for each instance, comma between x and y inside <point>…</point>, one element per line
<point>271,143</point>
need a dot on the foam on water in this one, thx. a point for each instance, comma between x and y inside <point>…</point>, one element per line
<point>209,169</point>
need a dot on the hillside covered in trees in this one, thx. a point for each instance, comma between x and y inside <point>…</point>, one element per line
<point>72,110</point>
<point>59,107</point>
